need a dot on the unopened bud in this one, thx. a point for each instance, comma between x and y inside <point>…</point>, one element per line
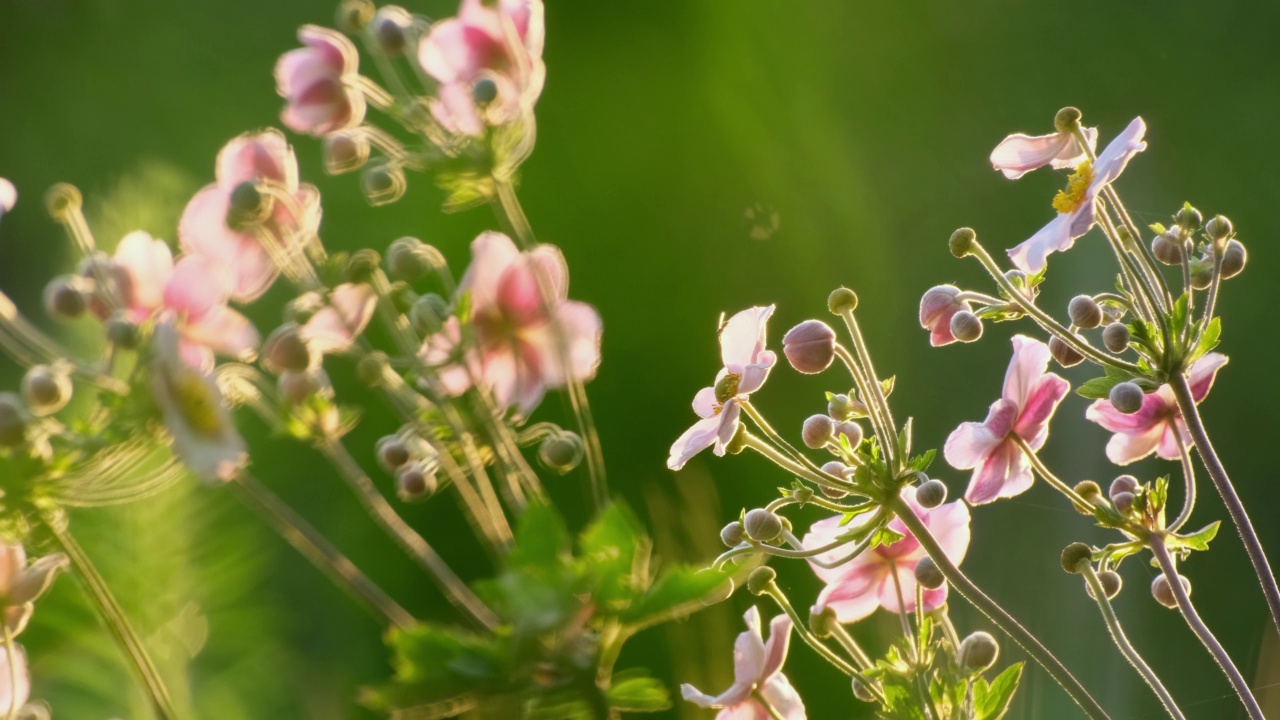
<point>965,326</point>
<point>13,420</point>
<point>1167,247</point>
<point>1189,218</point>
<point>285,350</point>
<point>1124,483</point>
<point>810,346</point>
<point>1201,273</point>
<point>802,495</point>
<point>415,482</point>
<point>841,407</point>
<point>1110,581</point>
<point>390,24</point>
<point>1089,491</point>
<point>842,300</point>
<point>928,574</point>
<point>862,689</point>
<point>121,333</point>
<point>46,390</point>
<point>362,265</point>
<point>1084,311</point>
<point>428,314</point>
<point>561,452</point>
<point>835,468</point>
<point>1067,120</point>
<point>931,493</point>
<point>817,431</point>
<point>1116,337</point>
<point>1126,397</point>
<point>63,299</point>
<point>833,493</point>
<point>407,259</point>
<point>484,91</point>
<point>248,206</point>
<point>1075,556</point>
<point>1233,259</point>
<point>762,526</point>
<point>296,387</point>
<point>760,579</point>
<point>383,184</point>
<point>61,200</point>
<point>961,242</point>
<point>851,431</point>
<point>1162,591</point>
<point>1218,228</point>
<point>371,368</point>
<point>345,151</point>
<point>1123,502</point>
<point>732,534</point>
<point>392,453</point>
<point>822,622</point>
<point>978,652</point>
<point>1066,355</point>
<point>353,15</point>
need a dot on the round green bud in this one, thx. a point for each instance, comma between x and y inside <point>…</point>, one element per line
<point>407,259</point>
<point>966,327</point>
<point>1110,581</point>
<point>961,242</point>
<point>561,452</point>
<point>1201,273</point>
<point>428,314</point>
<point>13,421</point>
<point>415,482</point>
<point>842,300</point>
<point>762,525</point>
<point>63,299</point>
<point>1218,228</point>
<point>390,30</point>
<point>46,390</point>
<point>1189,218</point>
<point>841,407</point>
<point>1066,355</point>
<point>344,152</point>
<point>1123,502</point>
<point>392,453</point>
<point>1123,484</point>
<point>1089,491</point>
<point>371,368</point>
<point>817,431</point>
<point>822,622</point>
<point>760,579</point>
<point>353,15</point>
<point>928,574</point>
<point>732,534</point>
<point>1162,591</point>
<point>851,431</point>
<point>1167,247</point>
<point>931,493</point>
<point>1075,556</point>
<point>978,652</point>
<point>383,184</point>
<point>1233,259</point>
<point>1085,313</point>
<point>1116,337</point>
<point>1126,397</point>
<point>286,350</point>
<point>362,265</point>
<point>61,200</point>
<point>1067,119</point>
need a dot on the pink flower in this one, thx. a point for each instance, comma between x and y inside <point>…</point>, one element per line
<point>244,263</point>
<point>757,668</point>
<point>8,196</point>
<point>189,294</point>
<point>1000,469</point>
<point>316,83</point>
<point>1152,428</point>
<point>501,44</point>
<point>523,343</point>
<point>1019,154</point>
<point>937,307</point>
<point>334,327</point>
<point>21,584</point>
<point>1075,205</point>
<point>746,366</point>
<point>13,666</point>
<point>856,588</point>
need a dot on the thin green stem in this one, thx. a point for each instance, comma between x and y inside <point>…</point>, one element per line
<point>791,466</point>
<point>802,629</point>
<point>910,639</point>
<point>892,449</point>
<point>851,646</point>
<point>1148,259</point>
<point>774,437</point>
<point>879,425</point>
<point>1048,476</point>
<point>1189,475</point>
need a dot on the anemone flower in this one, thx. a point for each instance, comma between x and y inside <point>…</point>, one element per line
<point>15,680</point>
<point>316,83</point>
<point>757,673</point>
<point>22,584</point>
<point>937,307</point>
<point>1019,154</point>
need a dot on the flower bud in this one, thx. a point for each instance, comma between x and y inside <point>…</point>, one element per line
<point>345,151</point>
<point>1084,311</point>
<point>822,622</point>
<point>1189,218</point>
<point>1167,247</point>
<point>390,26</point>
<point>1110,581</point>
<point>937,307</point>
<point>121,332</point>
<point>414,482</point>
<point>1233,259</point>
<point>248,206</point>
<point>961,242</point>
<point>928,574</point>
<point>842,407</point>
<point>1075,556</point>
<point>1201,273</point>
<point>1123,502</point>
<point>862,689</point>
<point>1124,483</point>
<point>61,200</point>
<point>1089,491</point>
<point>1126,397</point>
<point>370,368</point>
<point>978,652</point>
<point>965,326</point>
<point>842,300</point>
<point>408,260</point>
<point>63,299</point>
<point>1218,228</point>
<point>1162,591</point>
<point>931,493</point>
<point>732,534</point>
<point>802,495</point>
<point>561,452</point>
<point>1067,120</point>
<point>428,313</point>
<point>362,265</point>
<point>762,526</point>
<point>1116,337</point>
<point>13,420</point>
<point>833,493</point>
<point>817,431</point>
<point>354,15</point>
<point>1064,353</point>
<point>383,184</point>
<point>392,453</point>
<point>810,346</point>
<point>46,390</point>
<point>484,91</point>
<point>851,431</point>
<point>835,468</point>
<point>285,350</point>
<point>295,387</point>
<point>760,579</point>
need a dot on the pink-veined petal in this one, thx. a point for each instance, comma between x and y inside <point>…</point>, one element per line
<point>261,155</point>
<point>1203,373</point>
<point>148,263</point>
<point>1126,448</point>
<point>1031,255</point>
<point>749,651</point>
<point>1113,159</point>
<point>194,288</point>
<point>779,693</point>
<point>1029,362</point>
<point>934,599</point>
<point>1003,473</point>
<point>775,648</point>
<point>694,440</point>
<point>728,418</point>
<point>330,46</point>
<point>335,327</point>
<point>949,525</point>
<point>197,356</point>
<point>743,337</point>
<point>491,254</point>
<point>1046,394</point>
<point>243,264</point>
<point>737,694</point>
<point>1167,448</point>
<point>853,596</point>
<point>1157,407</point>
<point>754,375</point>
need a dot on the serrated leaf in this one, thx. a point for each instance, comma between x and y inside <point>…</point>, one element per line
<point>1208,340</point>
<point>616,554</point>
<point>921,462</point>
<point>1198,540</point>
<point>991,701</point>
<point>679,590</point>
<point>636,691</point>
<point>1097,388</point>
<point>885,536</point>
<point>541,539</point>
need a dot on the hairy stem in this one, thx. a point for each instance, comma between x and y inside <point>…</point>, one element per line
<point>1189,476</point>
<point>1044,472</point>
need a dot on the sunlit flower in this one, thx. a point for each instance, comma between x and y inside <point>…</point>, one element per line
<point>519,343</point>
<point>1019,154</point>
<point>497,42</point>
<point>334,327</point>
<point>13,668</point>
<point>189,293</point>
<point>1000,468</point>
<point>21,584</point>
<point>316,82</point>
<point>856,588</point>
<point>193,411</point>
<point>937,307</point>
<point>244,262</point>
<point>746,366</point>
<point>757,668</point>
<point>8,196</point>
<point>1152,428</point>
<point>1076,205</point>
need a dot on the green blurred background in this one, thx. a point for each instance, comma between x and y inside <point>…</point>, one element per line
<point>693,158</point>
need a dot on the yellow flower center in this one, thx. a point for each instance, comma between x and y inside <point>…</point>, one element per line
<point>1073,197</point>
<point>727,387</point>
<point>197,405</point>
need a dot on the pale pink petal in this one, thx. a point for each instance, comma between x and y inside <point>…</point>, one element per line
<point>456,51</point>
<point>728,418</point>
<point>194,288</point>
<point>1019,154</point>
<point>749,651</point>
<point>14,665</point>
<point>13,560</point>
<point>224,331</point>
<point>1113,159</point>
<point>1029,362</point>
<point>743,337</point>
<point>949,525</point>
<point>853,596</point>
<point>1167,448</point>
<point>887,590</point>
<point>196,355</point>
<point>1033,423</point>
<point>737,694</point>
<point>1156,409</point>
<point>455,109</point>
<point>1003,473</point>
<point>491,254</point>
<point>1202,374</point>
<point>262,155</point>
<point>243,263</point>
<point>33,581</point>
<point>704,403</point>
<point>775,648</point>
<point>331,46</point>
<point>8,196</point>
<point>148,263</point>
<point>694,440</point>
<point>552,268</point>
<point>754,375</point>
<point>937,307</point>
<point>1057,235</point>
<point>335,327</point>
<point>824,532</point>
<point>1126,448</point>
<point>969,444</point>
<point>934,599</point>
<point>779,693</point>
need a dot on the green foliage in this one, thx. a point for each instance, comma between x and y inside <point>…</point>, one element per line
<point>991,700</point>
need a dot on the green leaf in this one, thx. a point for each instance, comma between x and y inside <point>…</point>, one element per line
<point>636,691</point>
<point>1157,228</point>
<point>1208,340</point>
<point>1180,309</point>
<point>1198,540</point>
<point>904,437</point>
<point>922,461</point>
<point>885,536</point>
<point>1098,388</point>
<point>616,554</point>
<point>991,701</point>
<point>541,539</point>
<point>680,590</point>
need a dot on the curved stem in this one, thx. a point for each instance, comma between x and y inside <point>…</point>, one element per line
<point>995,613</point>
<point>15,679</point>
<point>877,391</point>
<point>116,621</point>
<point>910,640</point>
<point>802,629</point>
<point>774,437</point>
<point>879,425</point>
<point>1048,476</point>
<point>851,646</point>
<point>1189,475</point>
<point>1218,474</point>
<point>791,466</point>
<point>1202,631</point>
<point>1126,648</point>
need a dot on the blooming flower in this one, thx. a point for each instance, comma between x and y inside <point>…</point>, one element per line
<point>856,588</point>
<point>189,293</point>
<point>8,196</point>
<point>315,82</point>
<point>1152,428</point>
<point>13,668</point>
<point>1075,205</point>
<point>522,342</point>
<point>245,264</point>
<point>334,327</point>
<point>193,412</point>
<point>937,307</point>
<point>1019,154</point>
<point>746,366</point>
<point>1000,469</point>
<point>21,585</point>
<point>757,668</point>
<point>500,42</point>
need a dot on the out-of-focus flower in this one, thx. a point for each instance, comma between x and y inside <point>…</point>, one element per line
<point>317,84</point>
<point>1019,154</point>
<point>488,61</point>
<point>1152,427</point>
<point>856,588</point>
<point>334,327</point>
<point>937,307</point>
<point>244,263</point>
<point>193,412</point>
<point>520,343</point>
<point>8,196</point>
<point>757,668</point>
<point>746,367</point>
<point>189,293</point>
<point>1076,205</point>
<point>21,585</point>
<point>13,668</point>
<point>1000,468</point>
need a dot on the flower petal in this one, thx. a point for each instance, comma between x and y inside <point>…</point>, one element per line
<point>704,403</point>
<point>742,338</point>
<point>226,332</point>
<point>1126,448</point>
<point>853,596</point>
<point>262,155</point>
<point>13,665</point>
<point>779,693</point>
<point>1203,373</point>
<point>243,264</point>
<point>728,418</point>
<point>1019,154</point>
<point>1113,159</point>
<point>13,560</point>
<point>491,254</point>
<point>1033,423</point>
<point>775,648</point>
<point>1055,236</point>
<point>694,440</point>
<point>8,196</point>
<point>148,263</point>
<point>335,327</point>
<point>1156,408</point>
<point>194,288</point>
<point>1003,473</point>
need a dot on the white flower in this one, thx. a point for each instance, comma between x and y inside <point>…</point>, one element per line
<point>757,670</point>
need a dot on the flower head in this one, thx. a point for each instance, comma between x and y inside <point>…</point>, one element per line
<point>1076,204</point>
<point>856,588</point>
<point>746,366</point>
<point>1152,427</point>
<point>937,307</point>
<point>1030,397</point>
<point>1019,154</point>
<point>522,343</point>
<point>238,253</point>
<point>499,43</point>
<point>315,82</point>
<point>757,668</point>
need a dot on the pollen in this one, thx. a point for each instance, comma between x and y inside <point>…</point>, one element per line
<point>198,406</point>
<point>1070,199</point>
<point>727,387</point>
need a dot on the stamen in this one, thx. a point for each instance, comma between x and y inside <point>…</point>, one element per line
<point>1070,199</point>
